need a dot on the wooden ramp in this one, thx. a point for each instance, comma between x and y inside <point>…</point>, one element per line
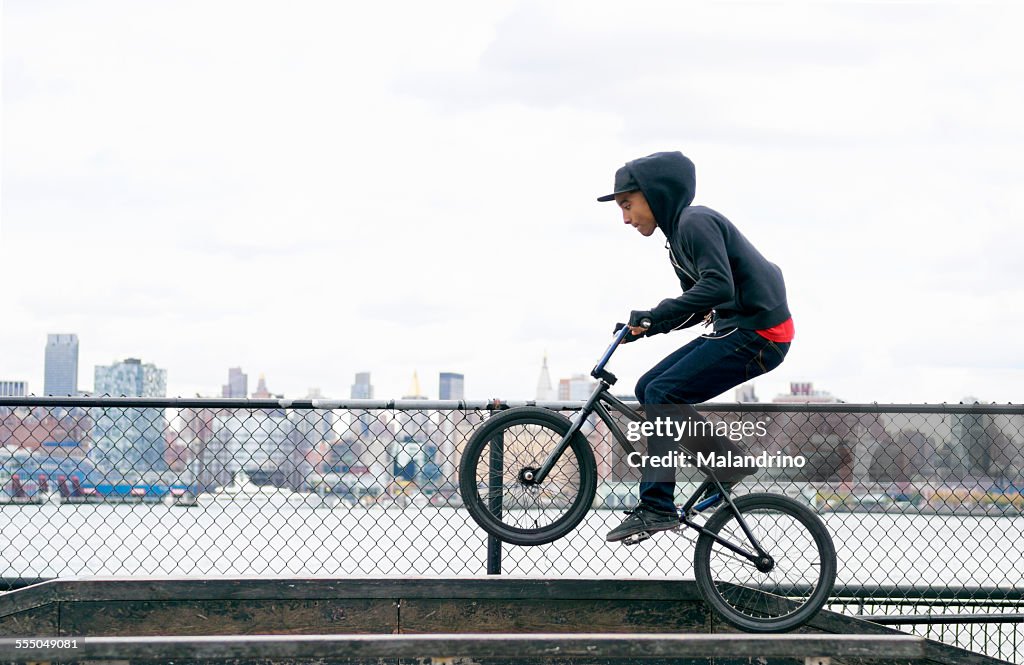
<point>446,647</point>
<point>421,620</point>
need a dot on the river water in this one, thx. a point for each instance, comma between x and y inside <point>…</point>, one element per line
<point>228,539</point>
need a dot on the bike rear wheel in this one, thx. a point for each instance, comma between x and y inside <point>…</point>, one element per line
<point>792,589</point>
<point>495,471</point>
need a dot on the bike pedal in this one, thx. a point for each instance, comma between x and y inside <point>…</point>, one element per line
<point>636,539</point>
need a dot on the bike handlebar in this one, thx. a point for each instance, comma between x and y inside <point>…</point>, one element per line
<point>619,336</point>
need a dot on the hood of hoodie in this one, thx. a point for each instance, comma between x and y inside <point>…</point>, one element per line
<point>668,181</point>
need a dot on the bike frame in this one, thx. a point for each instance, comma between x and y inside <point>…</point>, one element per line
<point>602,402</point>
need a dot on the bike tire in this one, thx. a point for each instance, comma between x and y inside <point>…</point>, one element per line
<point>528,434</point>
<point>799,584</point>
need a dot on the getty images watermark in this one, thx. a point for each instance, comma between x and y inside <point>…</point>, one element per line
<point>677,431</point>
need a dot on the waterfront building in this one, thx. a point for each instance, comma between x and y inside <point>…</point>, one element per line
<point>451,386</point>
<point>375,443</point>
<point>415,451</point>
<point>315,430</point>
<point>415,425</point>
<point>212,463</point>
<point>129,440</point>
<point>265,444</point>
<point>58,429</point>
<point>372,434</point>
<point>824,439</point>
<point>61,369</point>
<point>13,388</point>
<point>745,394</point>
<point>967,453</point>
<point>576,388</point>
<point>984,446</point>
<point>803,392</point>
<point>361,419</point>
<point>237,385</point>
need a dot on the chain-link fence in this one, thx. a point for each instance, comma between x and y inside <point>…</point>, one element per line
<point>920,500</point>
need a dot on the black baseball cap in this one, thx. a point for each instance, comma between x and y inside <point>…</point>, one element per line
<point>624,182</point>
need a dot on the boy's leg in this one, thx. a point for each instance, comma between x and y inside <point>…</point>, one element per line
<point>698,371</point>
<point>659,494</point>
<point>659,369</point>
<point>654,515</point>
<point>711,369</point>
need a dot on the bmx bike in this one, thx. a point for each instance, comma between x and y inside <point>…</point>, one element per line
<point>765,562</point>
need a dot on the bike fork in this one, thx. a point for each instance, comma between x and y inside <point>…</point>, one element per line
<point>539,474</point>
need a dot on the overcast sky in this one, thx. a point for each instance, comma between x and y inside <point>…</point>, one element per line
<point>311,189</point>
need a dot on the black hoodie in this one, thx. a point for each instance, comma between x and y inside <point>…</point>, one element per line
<point>717,266</point>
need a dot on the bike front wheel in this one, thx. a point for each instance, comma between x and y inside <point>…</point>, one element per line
<point>496,470</point>
<point>781,592</point>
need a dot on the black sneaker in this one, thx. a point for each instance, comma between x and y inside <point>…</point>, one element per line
<point>643,519</point>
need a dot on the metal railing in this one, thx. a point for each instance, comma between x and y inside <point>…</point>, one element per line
<point>989,621</point>
<point>917,497</point>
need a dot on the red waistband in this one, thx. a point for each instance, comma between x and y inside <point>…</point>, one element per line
<point>783,332</point>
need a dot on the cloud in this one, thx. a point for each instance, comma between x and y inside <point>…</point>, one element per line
<point>747,72</point>
<point>399,186</point>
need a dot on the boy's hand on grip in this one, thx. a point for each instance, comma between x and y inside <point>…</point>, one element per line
<point>634,333</point>
<point>640,321</point>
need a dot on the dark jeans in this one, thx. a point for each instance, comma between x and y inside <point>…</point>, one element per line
<point>704,368</point>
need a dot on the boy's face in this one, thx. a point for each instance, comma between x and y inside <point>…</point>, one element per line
<point>636,212</point>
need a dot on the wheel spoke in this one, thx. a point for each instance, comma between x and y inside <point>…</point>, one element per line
<point>797,584</point>
<point>530,513</point>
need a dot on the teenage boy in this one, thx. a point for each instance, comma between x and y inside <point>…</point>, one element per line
<point>726,282</point>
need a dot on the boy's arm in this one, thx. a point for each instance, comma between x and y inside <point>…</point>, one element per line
<point>702,239</point>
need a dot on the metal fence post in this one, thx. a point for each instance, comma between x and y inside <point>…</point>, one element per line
<point>494,489</point>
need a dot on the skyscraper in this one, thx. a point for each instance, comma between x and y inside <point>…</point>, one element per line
<point>362,388</point>
<point>545,393</point>
<point>451,386</point>
<point>130,378</point>
<point>262,392</point>
<point>414,447</point>
<point>61,371</point>
<point>237,385</point>
<point>363,421</point>
<point>129,440</point>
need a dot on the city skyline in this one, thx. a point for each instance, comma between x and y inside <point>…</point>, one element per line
<point>575,387</point>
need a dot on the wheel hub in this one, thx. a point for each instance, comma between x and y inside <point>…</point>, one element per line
<point>765,564</point>
<point>528,475</point>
